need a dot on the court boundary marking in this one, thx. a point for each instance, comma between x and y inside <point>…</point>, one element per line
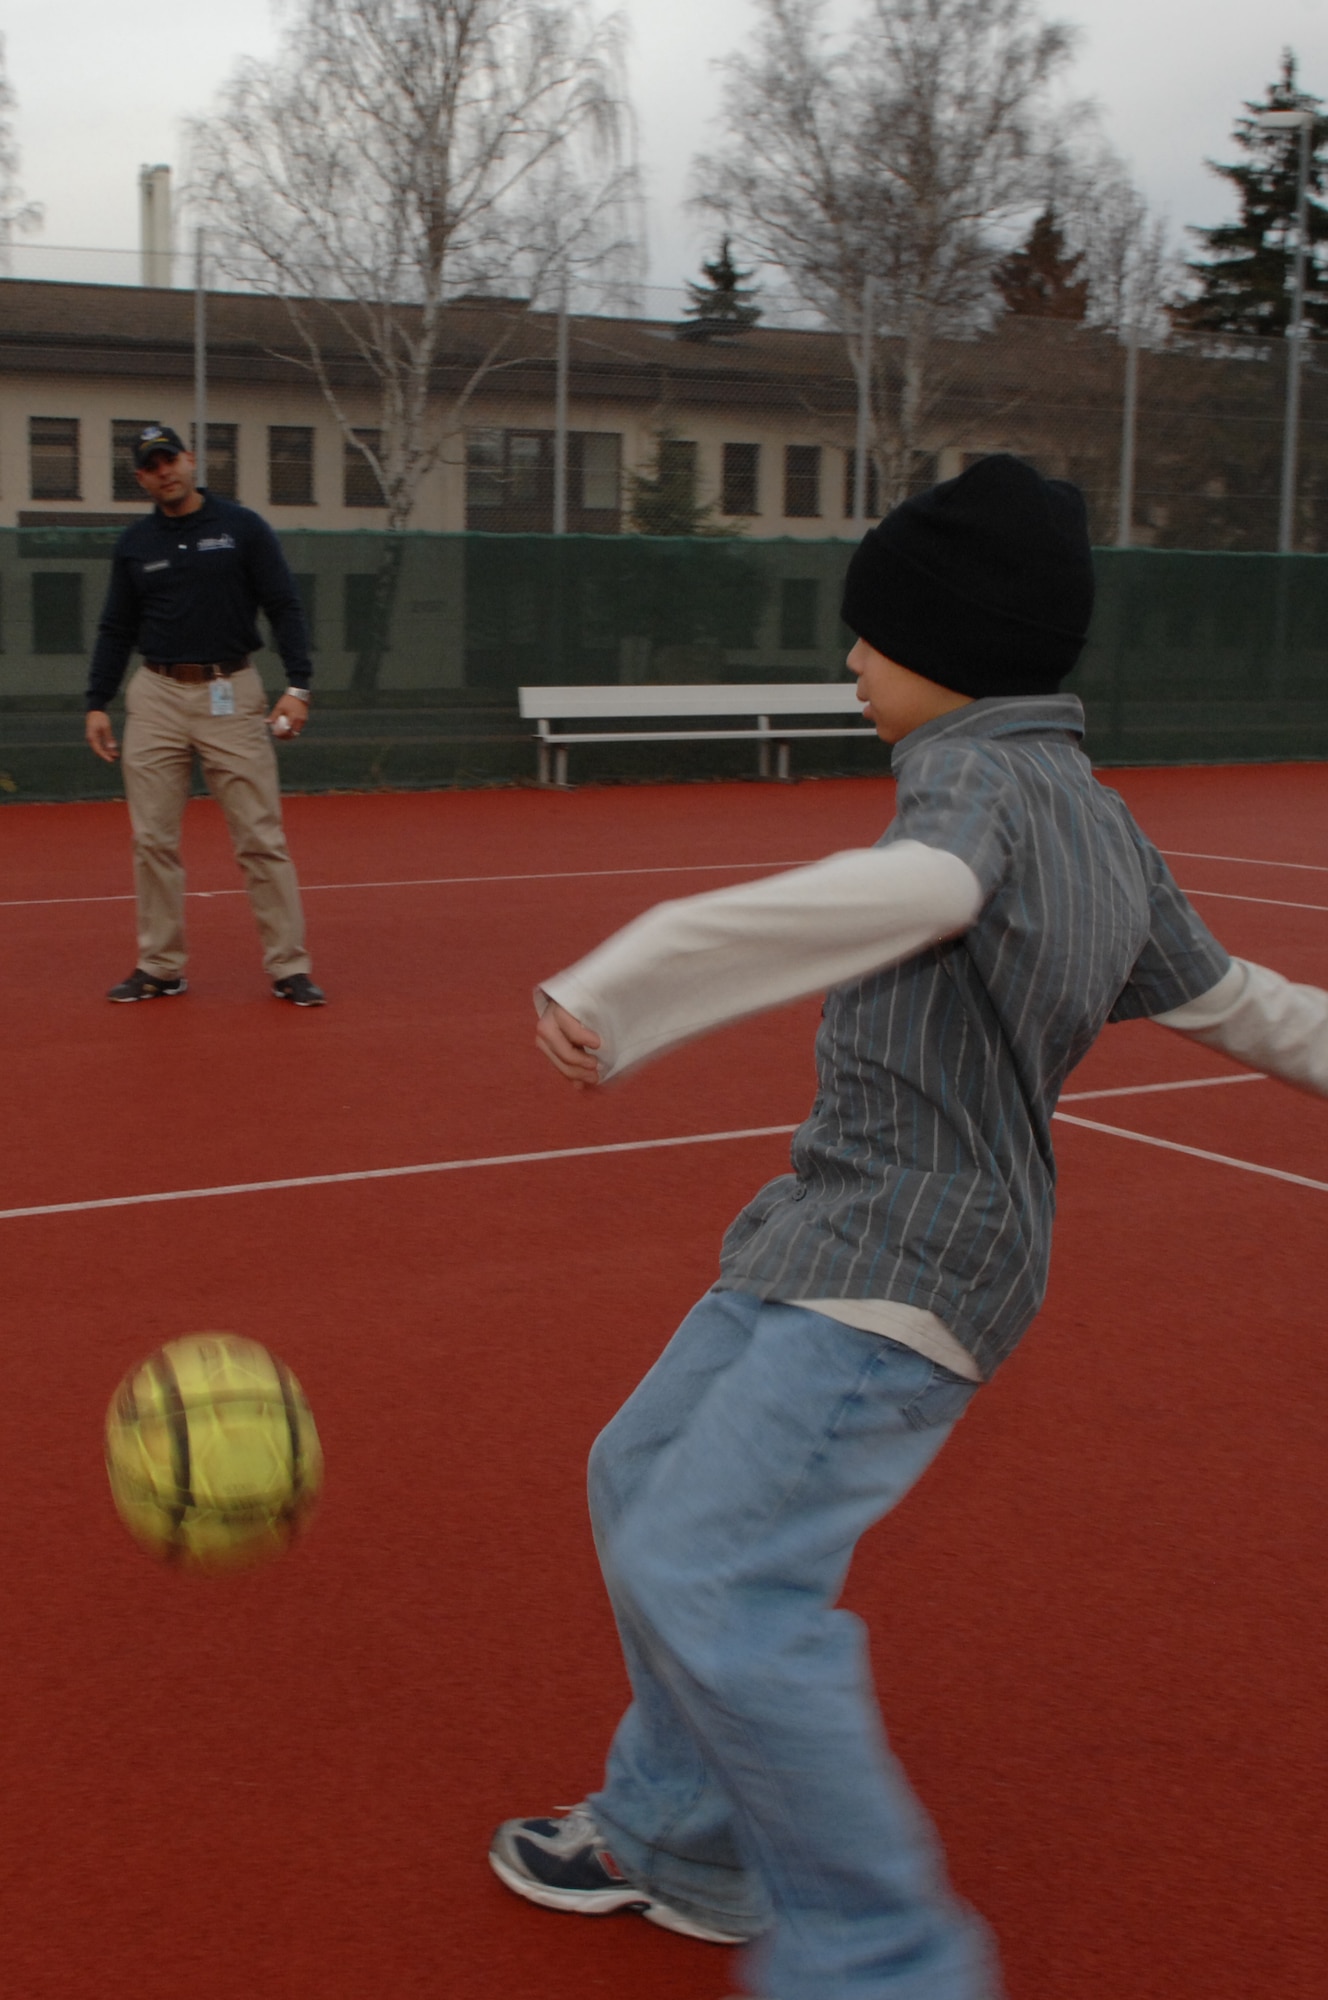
<point>159,1197</point>
<point>1242,860</point>
<point>1149,1089</point>
<point>1194,1152</point>
<point>396,1173</point>
<point>678,868</point>
<point>1264,902</point>
<point>433,882</point>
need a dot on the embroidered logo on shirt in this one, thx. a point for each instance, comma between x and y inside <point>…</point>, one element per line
<point>216,542</point>
<point>163,564</point>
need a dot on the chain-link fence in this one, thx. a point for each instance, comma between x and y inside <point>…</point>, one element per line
<point>422,640</point>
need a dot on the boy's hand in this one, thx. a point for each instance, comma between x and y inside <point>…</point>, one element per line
<point>567,1042</point>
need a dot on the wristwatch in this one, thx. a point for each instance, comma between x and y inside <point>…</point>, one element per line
<point>301,694</point>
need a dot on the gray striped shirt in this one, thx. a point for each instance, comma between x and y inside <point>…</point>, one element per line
<point>924,1173</point>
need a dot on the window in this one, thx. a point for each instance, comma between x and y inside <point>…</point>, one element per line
<point>509,481</point>
<point>290,465</point>
<point>802,481</point>
<point>677,462</point>
<point>57,611</point>
<point>53,458</point>
<point>873,486</point>
<point>799,602</point>
<point>124,484</point>
<point>739,479</point>
<point>530,469</point>
<point>594,477</point>
<point>221,473</point>
<point>484,473</point>
<point>360,485</point>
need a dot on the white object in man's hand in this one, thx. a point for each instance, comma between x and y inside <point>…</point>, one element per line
<point>100,736</point>
<point>288,716</point>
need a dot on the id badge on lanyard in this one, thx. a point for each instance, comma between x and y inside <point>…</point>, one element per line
<point>222,697</point>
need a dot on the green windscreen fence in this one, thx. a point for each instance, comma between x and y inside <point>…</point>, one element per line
<point>422,641</point>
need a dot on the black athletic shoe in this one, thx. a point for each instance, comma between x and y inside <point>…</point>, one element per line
<point>147,986</point>
<point>300,990</point>
<point>562,1864</point>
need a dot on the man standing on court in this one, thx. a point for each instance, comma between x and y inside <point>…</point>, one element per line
<point>186,586</point>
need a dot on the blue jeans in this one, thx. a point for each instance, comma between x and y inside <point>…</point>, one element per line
<point>750,1781</point>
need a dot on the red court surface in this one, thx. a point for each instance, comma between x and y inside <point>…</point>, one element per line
<point>1096,1625</point>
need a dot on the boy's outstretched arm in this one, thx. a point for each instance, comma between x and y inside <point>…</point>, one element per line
<point>1264,1021</point>
<point>689,966</point>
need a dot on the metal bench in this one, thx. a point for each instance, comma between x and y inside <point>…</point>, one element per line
<point>545,706</point>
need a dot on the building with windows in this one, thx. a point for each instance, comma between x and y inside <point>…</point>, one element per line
<point>761,425</point>
<point>750,436</point>
<point>757,427</point>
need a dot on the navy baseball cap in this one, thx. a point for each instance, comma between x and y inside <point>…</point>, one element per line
<point>154,438</point>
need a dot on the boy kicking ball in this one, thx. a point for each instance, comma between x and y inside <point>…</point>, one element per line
<point>1009,912</point>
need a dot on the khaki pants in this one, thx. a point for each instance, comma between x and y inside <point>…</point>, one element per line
<point>166,722</point>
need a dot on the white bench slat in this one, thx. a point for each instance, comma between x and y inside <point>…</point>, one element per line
<point>555,737</point>
<point>761,701</point>
<point>558,704</point>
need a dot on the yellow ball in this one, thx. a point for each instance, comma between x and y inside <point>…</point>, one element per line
<point>212,1453</point>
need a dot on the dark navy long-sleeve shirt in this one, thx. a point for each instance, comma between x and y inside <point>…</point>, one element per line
<point>188,588</point>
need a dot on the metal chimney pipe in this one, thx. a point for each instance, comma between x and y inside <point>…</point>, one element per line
<point>154,226</point>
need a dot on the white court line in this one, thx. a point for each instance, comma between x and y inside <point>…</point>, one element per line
<point>1267,902</point>
<point>435,882</point>
<point>1195,1152</point>
<point>1242,860</point>
<point>561,1153</point>
<point>597,874</point>
<point>394,1173</point>
<point>566,875</point>
<point>1145,1089</point>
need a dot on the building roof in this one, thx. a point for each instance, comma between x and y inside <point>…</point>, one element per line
<point>52,327</point>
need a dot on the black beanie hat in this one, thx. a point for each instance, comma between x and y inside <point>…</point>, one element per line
<point>983,584</point>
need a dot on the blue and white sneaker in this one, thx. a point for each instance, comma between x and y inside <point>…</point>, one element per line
<point>562,1863</point>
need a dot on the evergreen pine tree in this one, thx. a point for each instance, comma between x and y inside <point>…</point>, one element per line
<point>725,304</point>
<point>1042,280</point>
<point>664,498</point>
<point>1245,282</point>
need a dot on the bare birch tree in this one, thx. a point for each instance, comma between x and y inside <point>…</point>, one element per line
<point>896,161</point>
<point>400,154</point>
<point>16,214</point>
<point>1133,268</point>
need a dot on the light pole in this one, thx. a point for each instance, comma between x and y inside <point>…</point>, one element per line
<point>862,435</point>
<point>560,386</point>
<point>1129,433</point>
<point>200,359</point>
<point>1302,122</point>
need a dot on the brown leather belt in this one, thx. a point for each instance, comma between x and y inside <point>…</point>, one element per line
<point>193,672</point>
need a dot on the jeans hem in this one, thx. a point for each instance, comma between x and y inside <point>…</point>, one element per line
<point>641,1865</point>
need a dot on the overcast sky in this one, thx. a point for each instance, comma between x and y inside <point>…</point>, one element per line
<point>102,89</point>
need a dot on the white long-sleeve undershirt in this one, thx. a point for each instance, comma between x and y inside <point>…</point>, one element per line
<point>687,967</point>
<point>1264,1021</point>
